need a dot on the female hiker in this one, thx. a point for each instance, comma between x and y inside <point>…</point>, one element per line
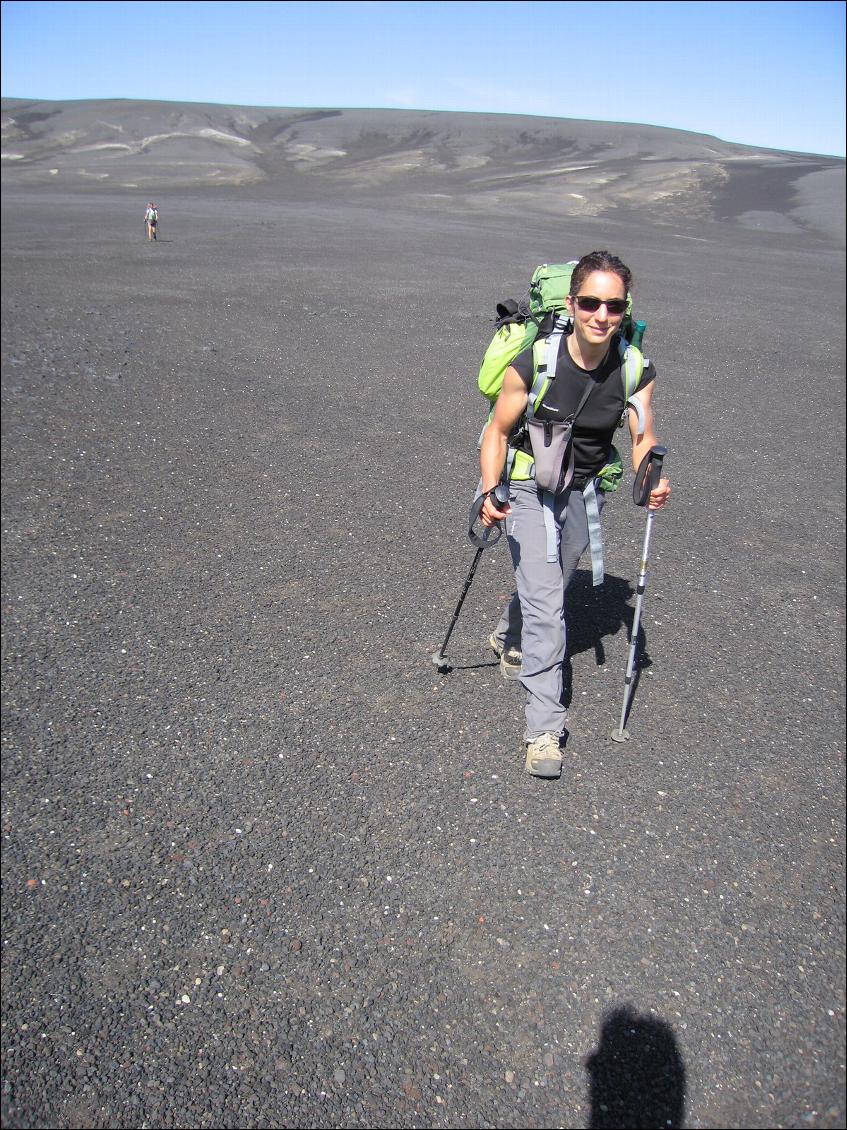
<point>548,529</point>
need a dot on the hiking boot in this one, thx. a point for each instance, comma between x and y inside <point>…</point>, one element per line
<point>544,756</point>
<point>510,658</point>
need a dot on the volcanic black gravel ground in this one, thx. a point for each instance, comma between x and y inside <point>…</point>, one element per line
<point>263,865</point>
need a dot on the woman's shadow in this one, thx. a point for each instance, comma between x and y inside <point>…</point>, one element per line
<point>593,614</point>
<point>637,1074</point>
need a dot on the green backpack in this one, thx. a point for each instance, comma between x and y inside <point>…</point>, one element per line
<point>538,321</point>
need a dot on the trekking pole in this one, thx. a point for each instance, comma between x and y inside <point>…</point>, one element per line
<point>490,537</point>
<point>646,480</point>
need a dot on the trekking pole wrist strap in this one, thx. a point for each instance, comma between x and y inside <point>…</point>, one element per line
<point>492,533</point>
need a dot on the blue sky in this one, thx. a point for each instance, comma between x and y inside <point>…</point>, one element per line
<point>768,74</point>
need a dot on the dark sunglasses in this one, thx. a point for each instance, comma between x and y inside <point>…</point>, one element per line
<point>589,304</point>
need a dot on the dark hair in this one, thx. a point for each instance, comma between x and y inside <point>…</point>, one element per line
<point>600,261</point>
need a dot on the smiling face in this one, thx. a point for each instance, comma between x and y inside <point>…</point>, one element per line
<point>594,329</point>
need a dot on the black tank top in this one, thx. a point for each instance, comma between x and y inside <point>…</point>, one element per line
<point>596,423</point>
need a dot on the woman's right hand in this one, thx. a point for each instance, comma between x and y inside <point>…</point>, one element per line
<point>490,514</point>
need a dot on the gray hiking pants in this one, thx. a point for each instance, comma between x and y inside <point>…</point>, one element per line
<point>534,619</point>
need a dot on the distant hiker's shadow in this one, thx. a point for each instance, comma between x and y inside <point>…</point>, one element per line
<point>637,1075</point>
<point>594,613</point>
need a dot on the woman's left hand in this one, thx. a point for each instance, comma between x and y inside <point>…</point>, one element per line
<point>659,497</point>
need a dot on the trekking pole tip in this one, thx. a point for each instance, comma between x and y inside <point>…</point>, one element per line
<point>440,662</point>
<point>620,735</point>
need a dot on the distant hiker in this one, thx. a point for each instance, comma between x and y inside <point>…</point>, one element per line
<point>151,219</point>
<point>553,510</point>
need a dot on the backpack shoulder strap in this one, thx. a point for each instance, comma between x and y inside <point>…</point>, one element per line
<point>632,370</point>
<point>545,355</point>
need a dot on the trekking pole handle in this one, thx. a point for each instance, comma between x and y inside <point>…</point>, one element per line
<point>499,498</point>
<point>649,475</point>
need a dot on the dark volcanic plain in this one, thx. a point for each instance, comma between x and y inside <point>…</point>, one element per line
<point>263,865</point>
